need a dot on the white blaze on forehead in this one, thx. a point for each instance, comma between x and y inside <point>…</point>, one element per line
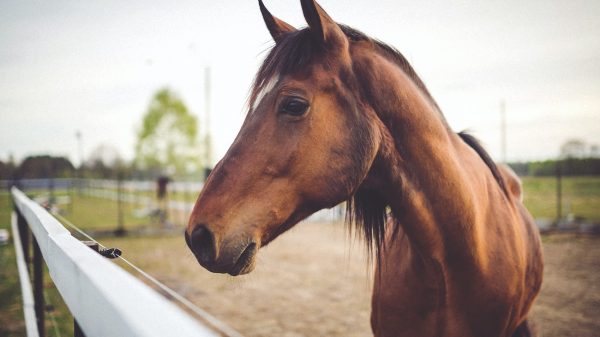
<point>267,88</point>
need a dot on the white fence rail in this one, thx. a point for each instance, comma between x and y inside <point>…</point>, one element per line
<point>104,299</point>
<point>27,293</point>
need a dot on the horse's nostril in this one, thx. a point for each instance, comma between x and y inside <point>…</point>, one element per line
<point>203,244</point>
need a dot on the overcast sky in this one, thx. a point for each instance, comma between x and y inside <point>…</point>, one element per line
<point>93,66</point>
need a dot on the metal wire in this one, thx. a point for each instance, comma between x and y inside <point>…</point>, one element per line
<point>222,327</point>
<point>205,316</point>
<point>51,314</point>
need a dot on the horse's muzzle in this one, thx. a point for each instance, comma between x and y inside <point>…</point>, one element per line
<point>229,257</point>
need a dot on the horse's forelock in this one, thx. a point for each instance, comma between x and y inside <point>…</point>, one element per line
<point>292,53</point>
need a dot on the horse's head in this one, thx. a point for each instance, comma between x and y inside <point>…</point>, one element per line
<point>306,144</point>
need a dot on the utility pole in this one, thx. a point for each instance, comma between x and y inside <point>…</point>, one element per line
<point>503,130</point>
<point>558,191</point>
<point>79,147</point>
<point>79,170</point>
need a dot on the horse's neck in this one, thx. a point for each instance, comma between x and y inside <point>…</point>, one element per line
<point>431,194</point>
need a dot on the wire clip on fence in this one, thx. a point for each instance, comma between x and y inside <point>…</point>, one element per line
<point>223,328</point>
<point>111,253</point>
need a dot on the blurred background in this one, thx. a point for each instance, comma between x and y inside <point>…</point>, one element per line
<point>113,113</point>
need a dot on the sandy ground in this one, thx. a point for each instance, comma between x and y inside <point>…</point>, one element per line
<point>569,304</point>
<point>315,281</point>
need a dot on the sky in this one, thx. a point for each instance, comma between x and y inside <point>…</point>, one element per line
<point>92,67</point>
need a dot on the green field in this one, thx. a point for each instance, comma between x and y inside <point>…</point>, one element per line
<point>11,314</point>
<point>188,196</point>
<point>101,214</point>
<point>581,196</point>
<point>93,213</point>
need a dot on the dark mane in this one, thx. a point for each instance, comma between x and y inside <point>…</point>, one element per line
<point>366,209</point>
<point>475,145</point>
<point>296,50</point>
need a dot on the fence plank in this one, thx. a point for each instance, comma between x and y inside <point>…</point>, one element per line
<point>105,300</point>
<point>28,303</point>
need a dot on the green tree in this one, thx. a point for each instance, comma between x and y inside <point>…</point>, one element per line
<point>45,166</point>
<point>6,170</point>
<point>166,142</point>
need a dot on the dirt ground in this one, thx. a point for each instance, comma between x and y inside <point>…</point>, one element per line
<point>315,281</point>
<point>569,304</point>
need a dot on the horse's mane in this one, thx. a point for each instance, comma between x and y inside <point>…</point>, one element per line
<point>475,145</point>
<point>366,209</point>
<point>296,50</point>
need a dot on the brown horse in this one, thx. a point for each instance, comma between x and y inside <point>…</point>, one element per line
<point>337,116</point>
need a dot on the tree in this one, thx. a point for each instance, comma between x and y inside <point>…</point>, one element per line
<point>104,161</point>
<point>166,142</point>
<point>7,170</point>
<point>45,166</point>
<point>594,151</point>
<point>573,148</point>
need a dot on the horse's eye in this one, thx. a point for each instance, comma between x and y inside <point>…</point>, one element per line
<point>293,106</point>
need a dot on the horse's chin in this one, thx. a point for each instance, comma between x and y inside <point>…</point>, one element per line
<point>245,270</point>
<point>246,261</point>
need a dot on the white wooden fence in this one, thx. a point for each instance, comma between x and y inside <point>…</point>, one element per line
<point>27,293</point>
<point>104,299</point>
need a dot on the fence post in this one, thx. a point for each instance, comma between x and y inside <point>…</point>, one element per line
<point>558,192</point>
<point>77,332</point>
<point>24,233</point>
<point>38,287</point>
<point>120,231</point>
<point>51,197</point>
<point>71,195</point>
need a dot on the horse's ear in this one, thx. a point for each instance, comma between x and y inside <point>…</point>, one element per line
<point>276,27</point>
<point>319,22</point>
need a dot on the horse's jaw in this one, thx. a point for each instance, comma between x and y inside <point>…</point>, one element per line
<point>246,261</point>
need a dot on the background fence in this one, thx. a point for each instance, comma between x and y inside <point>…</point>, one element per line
<point>126,204</point>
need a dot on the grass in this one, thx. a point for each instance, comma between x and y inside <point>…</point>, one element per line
<point>92,213</point>
<point>101,214</point>
<point>11,314</point>
<point>580,196</point>
<point>188,196</point>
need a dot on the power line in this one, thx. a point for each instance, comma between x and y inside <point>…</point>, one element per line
<point>205,316</point>
<point>51,314</point>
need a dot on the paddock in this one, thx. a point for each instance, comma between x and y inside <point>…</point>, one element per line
<point>314,281</point>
